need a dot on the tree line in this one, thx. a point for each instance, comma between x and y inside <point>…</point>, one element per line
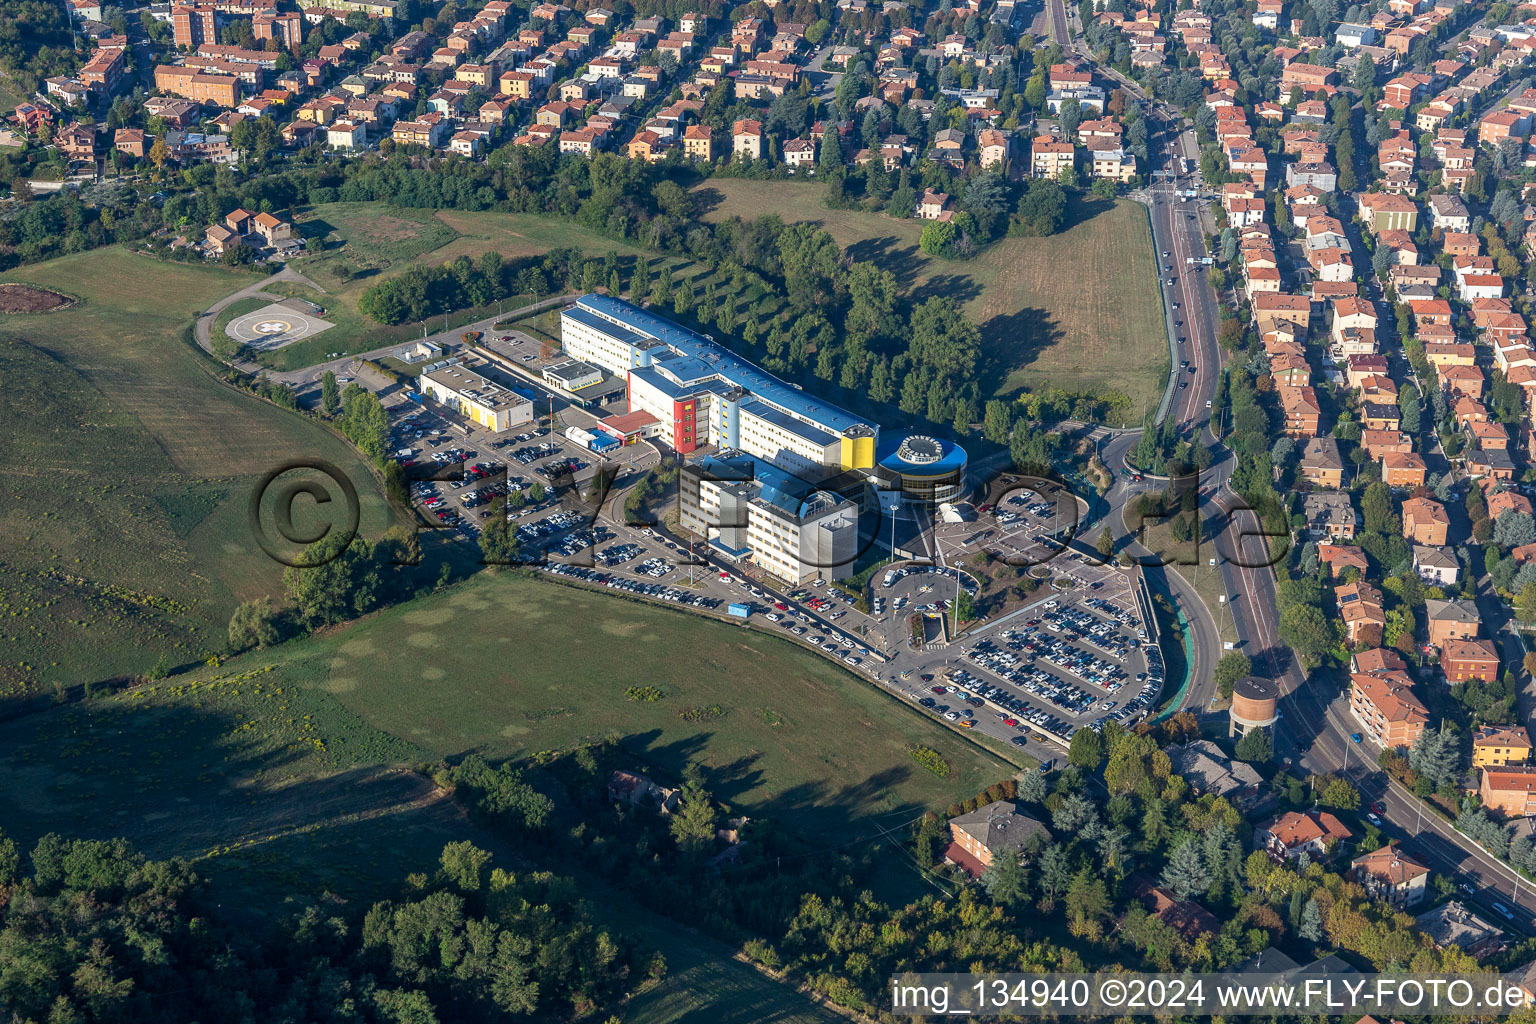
<point>93,931</point>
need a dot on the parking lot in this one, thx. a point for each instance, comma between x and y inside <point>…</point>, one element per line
<point>1074,657</point>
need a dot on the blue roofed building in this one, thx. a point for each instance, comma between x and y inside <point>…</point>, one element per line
<point>700,393</point>
<point>751,510</point>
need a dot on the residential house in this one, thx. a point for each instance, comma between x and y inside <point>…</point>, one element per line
<point>1499,746</point>
<point>1391,875</point>
<point>1295,832</point>
<point>1425,521</point>
<point>998,829</point>
<point>747,139</point>
<point>1450,620</point>
<point>1387,708</point>
<point>1339,557</point>
<point>698,142</point>
<point>1330,515</point>
<point>1436,566</point>
<point>1403,469</point>
<point>1462,660</point>
<point>1384,211</point>
<point>1360,608</point>
<point>1049,157</point>
<point>1301,410</point>
<point>1510,790</point>
<point>1321,464</point>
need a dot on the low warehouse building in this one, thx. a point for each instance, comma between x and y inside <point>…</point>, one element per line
<point>493,406</point>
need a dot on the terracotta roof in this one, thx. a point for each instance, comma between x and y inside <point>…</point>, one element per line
<point>1295,828</point>
<point>1391,865</point>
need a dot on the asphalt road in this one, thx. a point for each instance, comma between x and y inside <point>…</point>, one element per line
<point>1061,30</point>
<point>1315,728</point>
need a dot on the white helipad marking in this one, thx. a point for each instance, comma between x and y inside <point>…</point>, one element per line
<point>272,327</point>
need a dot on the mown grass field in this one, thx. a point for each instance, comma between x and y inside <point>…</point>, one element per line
<point>124,541</point>
<point>509,666</point>
<point>277,791</point>
<point>261,752</point>
<point>368,242</point>
<point>288,772</point>
<point>1079,309</point>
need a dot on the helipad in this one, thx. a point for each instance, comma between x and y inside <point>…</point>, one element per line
<point>274,326</point>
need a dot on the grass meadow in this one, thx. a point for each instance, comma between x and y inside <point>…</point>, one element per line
<point>124,540</point>
<point>290,771</point>
<point>1079,309</point>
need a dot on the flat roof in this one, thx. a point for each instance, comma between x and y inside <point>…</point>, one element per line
<point>776,487</point>
<point>638,323</point>
<point>799,428</point>
<point>470,385</point>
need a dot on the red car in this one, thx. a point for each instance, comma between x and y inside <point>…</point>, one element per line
<point>781,606</point>
<point>1010,722</point>
<point>938,689</point>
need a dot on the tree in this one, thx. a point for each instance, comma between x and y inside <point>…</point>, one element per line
<point>1340,795</point>
<point>1042,210</point>
<point>1004,879</point>
<point>1031,787</point>
<point>937,238</point>
<point>1409,409</point>
<point>1309,632</point>
<point>498,541</point>
<point>1365,72</point>
<point>1086,749</point>
<point>330,394</point>
<point>364,422</point>
<point>336,579</point>
<point>1185,874</point>
<point>996,422</point>
<point>1068,117</point>
<point>1514,529</point>
<point>1435,756</point>
<point>1054,875</point>
<point>1105,545</point>
<point>1311,922</point>
<point>1376,506</point>
<point>693,826</point>
<point>1087,904</point>
<point>1525,603</point>
<point>1234,665</point>
<point>254,624</point>
<point>1254,747</point>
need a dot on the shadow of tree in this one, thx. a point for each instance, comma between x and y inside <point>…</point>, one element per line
<point>1013,341</point>
<point>959,287</point>
<point>1084,207</point>
<point>706,200</point>
<point>888,252</point>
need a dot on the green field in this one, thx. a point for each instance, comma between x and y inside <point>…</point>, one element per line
<point>276,791</point>
<point>367,242</point>
<point>287,772</point>
<point>124,540</point>
<point>260,753</point>
<point>1079,309</point>
<point>510,666</point>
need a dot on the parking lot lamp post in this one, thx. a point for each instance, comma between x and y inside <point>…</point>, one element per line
<point>893,508</point>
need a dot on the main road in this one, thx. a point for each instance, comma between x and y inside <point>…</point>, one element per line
<point>1316,729</point>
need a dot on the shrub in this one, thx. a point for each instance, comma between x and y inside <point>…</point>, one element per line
<point>932,760</point>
